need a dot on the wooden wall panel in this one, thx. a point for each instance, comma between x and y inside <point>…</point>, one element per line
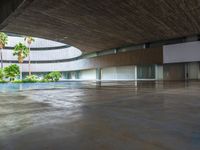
<point>143,56</point>
<point>174,71</point>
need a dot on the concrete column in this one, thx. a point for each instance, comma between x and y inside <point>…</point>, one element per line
<point>115,51</point>
<point>159,72</point>
<point>135,72</point>
<point>186,71</point>
<point>198,71</point>
<point>98,73</point>
<point>77,74</point>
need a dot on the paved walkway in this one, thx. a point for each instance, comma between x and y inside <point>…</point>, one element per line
<point>106,116</point>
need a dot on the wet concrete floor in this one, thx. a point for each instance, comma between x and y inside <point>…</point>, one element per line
<point>106,116</point>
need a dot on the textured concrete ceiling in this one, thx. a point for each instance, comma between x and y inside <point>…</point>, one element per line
<point>93,25</point>
<point>7,7</point>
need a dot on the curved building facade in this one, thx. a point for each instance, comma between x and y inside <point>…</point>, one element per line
<point>45,55</point>
<point>152,61</point>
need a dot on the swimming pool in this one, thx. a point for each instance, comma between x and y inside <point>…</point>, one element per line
<point>14,87</point>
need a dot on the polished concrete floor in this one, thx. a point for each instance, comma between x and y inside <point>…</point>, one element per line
<point>103,116</point>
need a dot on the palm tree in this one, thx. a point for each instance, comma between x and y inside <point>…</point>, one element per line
<point>3,42</point>
<point>29,41</point>
<point>21,51</point>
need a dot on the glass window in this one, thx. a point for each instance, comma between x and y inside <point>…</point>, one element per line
<point>146,72</point>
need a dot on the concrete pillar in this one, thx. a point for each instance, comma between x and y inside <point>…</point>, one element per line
<point>77,74</point>
<point>115,51</point>
<point>159,72</point>
<point>135,72</point>
<point>98,73</point>
<point>186,71</point>
<point>198,71</point>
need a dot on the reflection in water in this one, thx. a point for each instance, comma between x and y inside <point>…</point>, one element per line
<point>11,87</point>
<point>33,86</point>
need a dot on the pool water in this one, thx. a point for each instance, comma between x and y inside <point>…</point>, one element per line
<point>14,87</point>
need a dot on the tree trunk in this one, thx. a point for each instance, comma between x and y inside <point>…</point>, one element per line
<point>1,58</point>
<point>20,71</point>
<point>29,61</point>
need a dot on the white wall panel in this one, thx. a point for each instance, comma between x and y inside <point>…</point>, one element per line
<point>88,74</point>
<point>159,72</point>
<point>109,73</point>
<point>126,72</point>
<point>184,52</point>
<point>119,73</point>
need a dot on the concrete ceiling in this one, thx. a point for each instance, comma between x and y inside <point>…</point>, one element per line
<point>7,7</point>
<point>93,25</point>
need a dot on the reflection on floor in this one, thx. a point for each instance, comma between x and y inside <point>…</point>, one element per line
<point>103,116</point>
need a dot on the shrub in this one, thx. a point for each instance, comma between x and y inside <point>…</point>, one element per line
<point>31,78</point>
<point>11,72</point>
<point>53,76</point>
<point>1,74</point>
<point>2,81</point>
<point>17,81</point>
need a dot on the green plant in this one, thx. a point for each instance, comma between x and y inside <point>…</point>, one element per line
<point>3,39</point>
<point>11,72</point>
<point>29,40</point>
<point>31,78</point>
<point>53,76</point>
<point>17,81</point>
<point>3,42</point>
<point>2,81</point>
<point>1,74</point>
<point>21,51</point>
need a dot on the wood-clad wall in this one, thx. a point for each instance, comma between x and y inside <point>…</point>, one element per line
<point>174,71</point>
<point>142,56</point>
